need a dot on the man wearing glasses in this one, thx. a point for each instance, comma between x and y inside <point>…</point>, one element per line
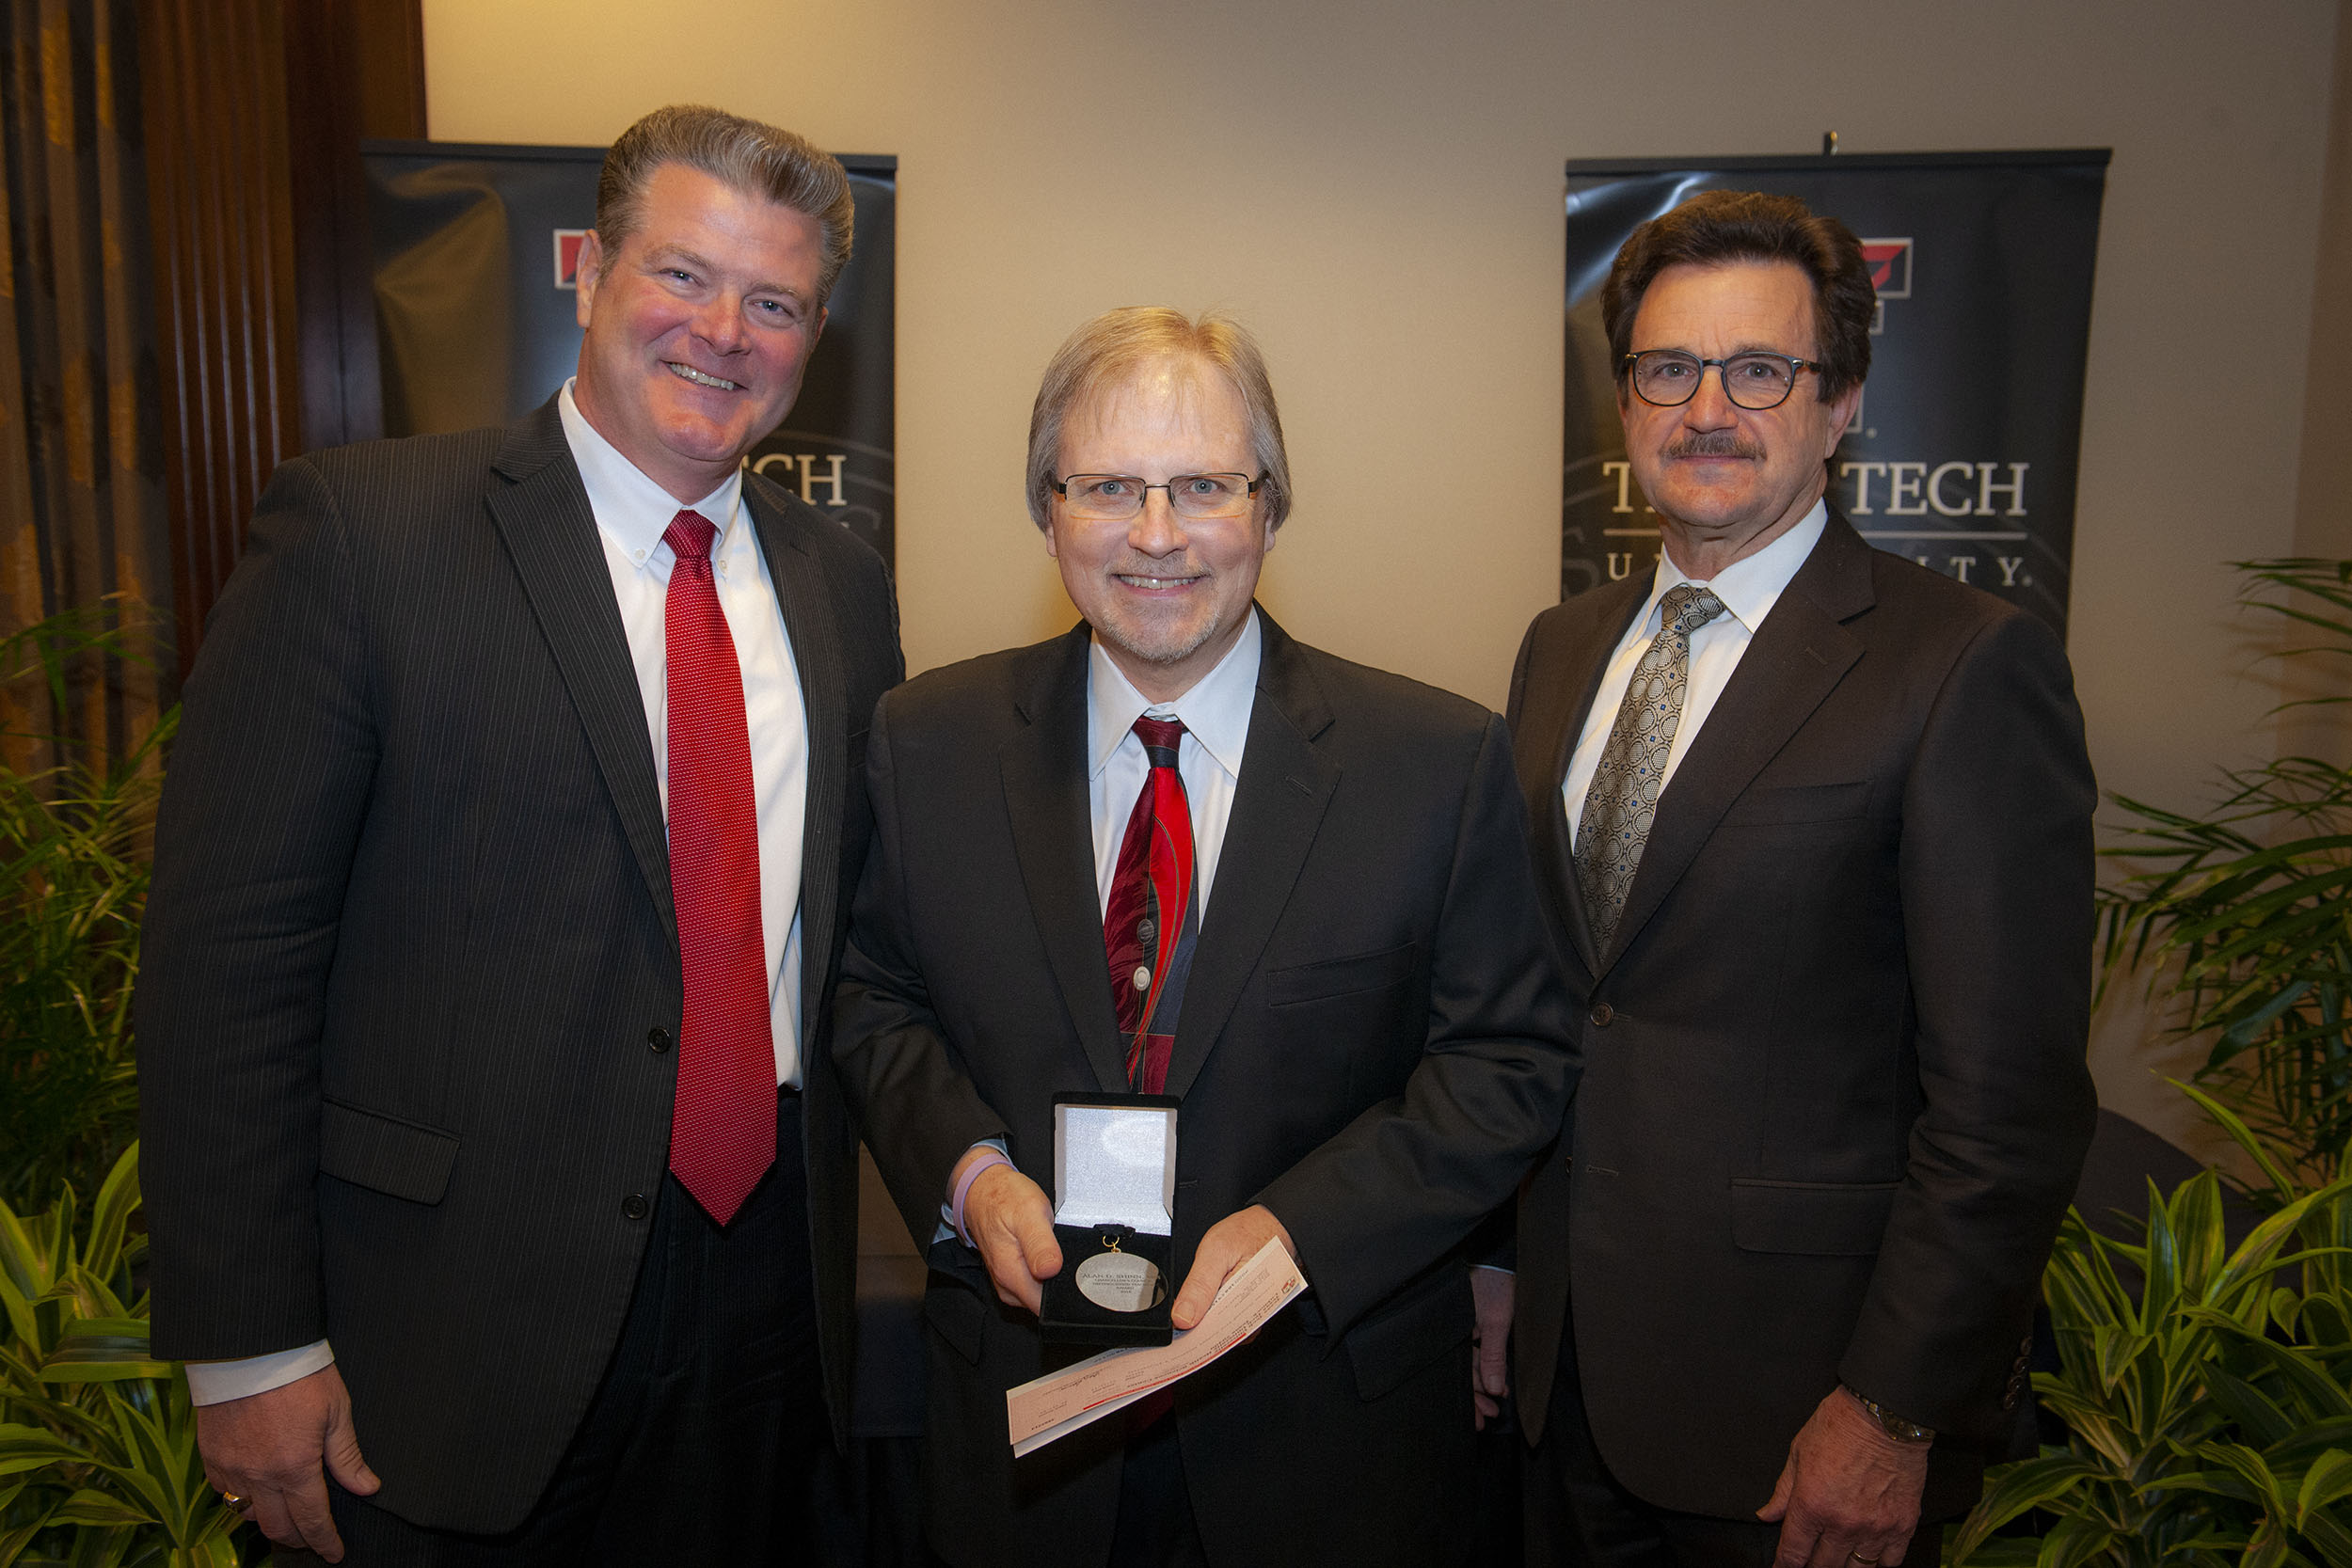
<point>1814,825</point>
<point>1175,852</point>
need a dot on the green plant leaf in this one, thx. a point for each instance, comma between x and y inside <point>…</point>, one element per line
<point>2013,1489</point>
<point>2160,1282</point>
<point>92,1507</point>
<point>2258,1255</point>
<point>2334,1542</point>
<point>2318,1395</point>
<point>2076,1540</point>
<point>2253,1411</point>
<point>2309,1442</point>
<point>2329,1478</point>
<point>110,1218</point>
<point>14,1539</point>
<point>102,1350</point>
<point>2241,1134</point>
<point>28,1448</point>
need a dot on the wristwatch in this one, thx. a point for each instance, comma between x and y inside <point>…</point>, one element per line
<point>1896,1427</point>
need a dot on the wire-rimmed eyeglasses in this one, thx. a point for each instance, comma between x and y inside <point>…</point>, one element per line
<point>1117,498</point>
<point>1755,380</point>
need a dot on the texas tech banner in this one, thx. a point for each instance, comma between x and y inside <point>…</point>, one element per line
<point>475,252</point>
<point>1962,455</point>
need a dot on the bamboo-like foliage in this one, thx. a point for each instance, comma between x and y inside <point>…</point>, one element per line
<point>2204,1389</point>
<point>98,1459</point>
<point>2253,898</point>
<point>74,874</point>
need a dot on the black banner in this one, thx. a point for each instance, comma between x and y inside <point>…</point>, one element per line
<point>474,249</point>
<point>1962,455</point>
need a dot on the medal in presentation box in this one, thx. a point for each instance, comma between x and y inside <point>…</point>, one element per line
<point>1114,1215</point>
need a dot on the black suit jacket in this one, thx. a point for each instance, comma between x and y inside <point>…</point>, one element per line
<point>410,927</point>
<point>1373,1044</point>
<point>1834,1099</point>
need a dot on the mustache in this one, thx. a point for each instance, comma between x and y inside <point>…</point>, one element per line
<point>1713,443</point>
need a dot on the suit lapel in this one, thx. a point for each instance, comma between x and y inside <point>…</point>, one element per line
<point>542,512</point>
<point>1278,806</point>
<point>1582,663</point>
<point>1044,771</point>
<point>808,625</point>
<point>1798,656</point>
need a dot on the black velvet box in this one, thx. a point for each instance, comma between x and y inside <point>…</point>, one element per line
<point>1114,1215</point>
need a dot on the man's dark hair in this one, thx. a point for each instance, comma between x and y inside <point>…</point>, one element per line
<point>1716,228</point>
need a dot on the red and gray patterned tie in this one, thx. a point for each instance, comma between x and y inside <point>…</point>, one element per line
<point>1623,800</point>
<point>722,1128</point>
<point>1151,922</point>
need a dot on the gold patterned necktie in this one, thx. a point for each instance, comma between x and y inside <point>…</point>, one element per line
<point>1623,800</point>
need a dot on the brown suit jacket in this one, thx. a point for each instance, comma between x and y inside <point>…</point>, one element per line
<point>1833,1100</point>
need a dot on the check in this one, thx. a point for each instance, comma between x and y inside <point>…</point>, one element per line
<point>1058,1405</point>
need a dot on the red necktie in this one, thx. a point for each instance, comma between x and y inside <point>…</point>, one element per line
<point>1149,924</point>
<point>722,1129</point>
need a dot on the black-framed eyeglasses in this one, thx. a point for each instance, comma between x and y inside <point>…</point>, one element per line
<point>1117,498</point>
<point>1755,380</point>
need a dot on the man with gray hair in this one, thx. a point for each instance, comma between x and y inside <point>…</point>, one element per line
<point>499,888</point>
<point>1175,853</point>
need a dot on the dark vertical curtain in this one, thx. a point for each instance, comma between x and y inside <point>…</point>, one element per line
<point>82,524</point>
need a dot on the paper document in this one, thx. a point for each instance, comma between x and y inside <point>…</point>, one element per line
<point>1056,1406</point>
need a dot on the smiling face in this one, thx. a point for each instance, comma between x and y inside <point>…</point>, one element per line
<point>1727,481</point>
<point>698,328</point>
<point>1167,596</point>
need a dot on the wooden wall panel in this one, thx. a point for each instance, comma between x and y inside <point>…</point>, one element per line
<point>213,78</point>
<point>265,322</point>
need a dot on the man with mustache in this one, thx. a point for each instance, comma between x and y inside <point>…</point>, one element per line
<point>1814,825</point>
<point>1336,961</point>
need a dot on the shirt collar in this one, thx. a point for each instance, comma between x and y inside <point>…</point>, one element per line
<point>1216,712</point>
<point>1750,586</point>
<point>627,505</point>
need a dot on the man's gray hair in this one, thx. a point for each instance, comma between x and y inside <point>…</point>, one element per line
<point>757,159</point>
<point>1113,346</point>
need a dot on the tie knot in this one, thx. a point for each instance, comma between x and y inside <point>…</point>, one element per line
<point>1688,607</point>
<point>1159,738</point>
<point>688,536</point>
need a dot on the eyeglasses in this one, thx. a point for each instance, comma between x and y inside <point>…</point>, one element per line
<point>1753,381</point>
<point>1117,498</point>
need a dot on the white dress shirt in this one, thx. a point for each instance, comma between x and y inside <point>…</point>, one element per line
<point>1749,588</point>
<point>632,513</point>
<point>1216,716</point>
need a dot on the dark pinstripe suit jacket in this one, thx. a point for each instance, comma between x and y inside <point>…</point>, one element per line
<point>409,928</point>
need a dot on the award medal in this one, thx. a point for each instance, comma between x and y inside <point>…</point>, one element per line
<point>1120,1281</point>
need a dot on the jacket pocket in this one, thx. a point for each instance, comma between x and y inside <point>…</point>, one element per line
<point>1330,977</point>
<point>1829,803</point>
<point>1427,1320</point>
<point>1821,1219</point>
<point>386,1154</point>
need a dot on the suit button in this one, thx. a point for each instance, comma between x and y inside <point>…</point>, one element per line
<point>634,1206</point>
<point>657,1040</point>
<point>1602,1013</point>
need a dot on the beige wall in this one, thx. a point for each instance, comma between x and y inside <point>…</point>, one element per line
<point>1389,180</point>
